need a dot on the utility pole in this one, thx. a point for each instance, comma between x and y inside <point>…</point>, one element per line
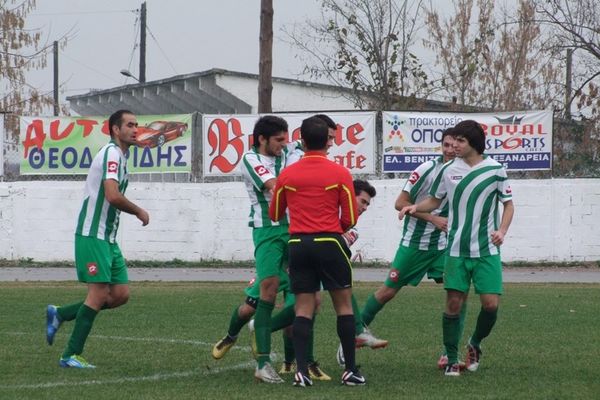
<point>143,43</point>
<point>265,62</point>
<point>568,85</point>
<point>55,52</point>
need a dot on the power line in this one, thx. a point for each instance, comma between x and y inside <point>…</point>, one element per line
<point>161,50</point>
<point>90,68</point>
<point>83,13</point>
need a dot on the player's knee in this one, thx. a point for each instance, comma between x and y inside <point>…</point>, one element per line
<point>490,306</point>
<point>385,294</point>
<point>245,312</point>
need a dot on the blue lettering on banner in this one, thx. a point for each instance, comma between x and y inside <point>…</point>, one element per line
<point>67,158</point>
<point>405,162</point>
<point>524,161</point>
<point>166,156</point>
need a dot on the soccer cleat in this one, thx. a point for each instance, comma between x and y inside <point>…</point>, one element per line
<point>75,361</point>
<point>253,344</point>
<point>367,339</point>
<point>53,322</point>
<point>222,347</point>
<point>315,372</point>
<point>443,361</point>
<point>287,368</point>
<point>302,380</point>
<point>341,360</point>
<point>452,370</point>
<point>473,357</point>
<point>267,374</point>
<point>350,378</point>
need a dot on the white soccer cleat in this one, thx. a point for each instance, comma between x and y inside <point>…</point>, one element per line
<point>366,339</point>
<point>267,374</point>
<point>341,360</point>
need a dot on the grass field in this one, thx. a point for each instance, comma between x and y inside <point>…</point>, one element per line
<point>546,345</point>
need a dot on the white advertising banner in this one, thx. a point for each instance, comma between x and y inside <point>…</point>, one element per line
<point>520,140</point>
<point>225,138</point>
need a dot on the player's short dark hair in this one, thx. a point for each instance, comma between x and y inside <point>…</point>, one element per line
<point>325,118</point>
<point>116,119</point>
<point>267,126</point>
<point>363,186</point>
<point>448,132</point>
<point>473,133</point>
<point>315,133</point>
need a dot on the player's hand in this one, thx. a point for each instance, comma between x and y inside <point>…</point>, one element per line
<point>440,222</point>
<point>497,238</point>
<point>407,210</point>
<point>143,216</point>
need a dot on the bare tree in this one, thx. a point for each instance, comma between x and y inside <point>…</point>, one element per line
<point>498,63</point>
<point>21,50</point>
<point>366,45</point>
<point>265,64</point>
<point>575,25</point>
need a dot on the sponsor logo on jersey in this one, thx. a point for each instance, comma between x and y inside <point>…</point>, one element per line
<point>260,170</point>
<point>414,177</point>
<point>508,190</point>
<point>112,167</point>
<point>92,268</point>
<point>394,275</point>
<point>251,283</point>
<point>456,177</point>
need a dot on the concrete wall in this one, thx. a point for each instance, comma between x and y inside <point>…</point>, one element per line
<point>555,220</point>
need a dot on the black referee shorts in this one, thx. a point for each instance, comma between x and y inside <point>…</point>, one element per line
<point>320,258</point>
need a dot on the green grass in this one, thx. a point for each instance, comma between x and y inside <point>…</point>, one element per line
<point>545,346</point>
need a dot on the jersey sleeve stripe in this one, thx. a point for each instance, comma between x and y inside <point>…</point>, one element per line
<point>349,193</point>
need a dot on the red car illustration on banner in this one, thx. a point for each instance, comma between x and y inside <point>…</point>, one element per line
<point>158,133</point>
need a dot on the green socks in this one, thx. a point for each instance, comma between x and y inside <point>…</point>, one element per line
<point>451,329</point>
<point>461,323</point>
<point>235,323</point>
<point>83,325</point>
<point>358,322</point>
<point>283,318</point>
<point>372,307</point>
<point>68,312</point>
<point>485,322</point>
<point>262,330</point>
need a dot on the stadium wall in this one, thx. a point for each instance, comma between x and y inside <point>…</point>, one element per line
<point>555,220</point>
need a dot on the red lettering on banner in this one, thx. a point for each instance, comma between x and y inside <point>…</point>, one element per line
<point>55,134</point>
<point>350,160</point>
<point>296,134</point>
<point>88,125</point>
<point>219,141</point>
<point>510,129</point>
<point>353,131</point>
<point>35,136</point>
<point>105,129</point>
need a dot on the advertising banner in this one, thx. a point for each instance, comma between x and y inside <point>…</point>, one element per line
<point>225,138</point>
<point>520,140</point>
<point>67,145</point>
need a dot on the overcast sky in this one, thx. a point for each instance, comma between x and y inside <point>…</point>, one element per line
<point>184,36</point>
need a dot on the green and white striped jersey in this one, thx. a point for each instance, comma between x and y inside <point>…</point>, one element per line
<point>258,169</point>
<point>419,234</point>
<point>473,194</point>
<point>97,217</point>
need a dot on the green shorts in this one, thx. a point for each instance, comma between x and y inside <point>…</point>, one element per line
<point>485,272</point>
<point>99,261</point>
<point>410,266</point>
<point>270,250</point>
<point>253,289</point>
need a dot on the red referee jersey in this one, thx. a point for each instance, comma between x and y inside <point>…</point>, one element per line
<point>315,189</point>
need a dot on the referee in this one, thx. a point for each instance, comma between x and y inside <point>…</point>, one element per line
<point>320,197</point>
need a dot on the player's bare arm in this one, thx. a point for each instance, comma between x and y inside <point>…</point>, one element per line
<point>425,206</point>
<point>403,200</point>
<point>507,216</point>
<point>116,199</point>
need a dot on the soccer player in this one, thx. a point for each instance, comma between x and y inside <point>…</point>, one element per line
<point>98,258</point>
<point>473,183</point>
<point>322,205</point>
<point>422,247</point>
<point>242,314</point>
